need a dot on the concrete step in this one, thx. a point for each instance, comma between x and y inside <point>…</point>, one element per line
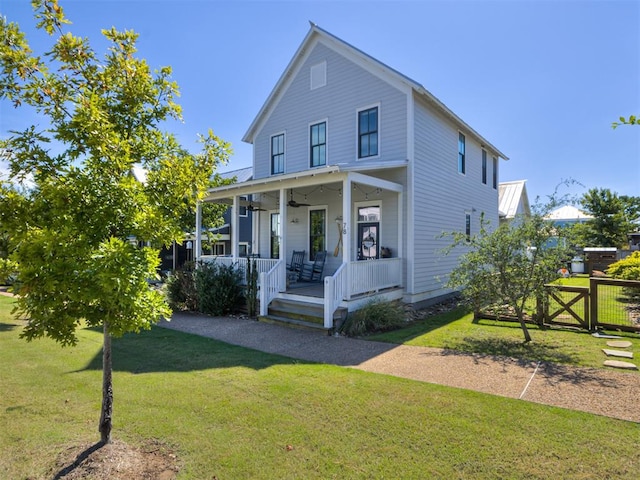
<point>292,323</point>
<point>305,311</point>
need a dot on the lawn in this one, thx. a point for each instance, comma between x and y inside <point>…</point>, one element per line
<point>231,412</point>
<point>457,330</point>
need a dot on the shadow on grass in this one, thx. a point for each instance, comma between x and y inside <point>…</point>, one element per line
<point>78,461</point>
<point>517,349</point>
<point>7,327</point>
<point>165,350</point>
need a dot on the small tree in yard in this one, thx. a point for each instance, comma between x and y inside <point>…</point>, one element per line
<point>507,268</point>
<point>73,228</point>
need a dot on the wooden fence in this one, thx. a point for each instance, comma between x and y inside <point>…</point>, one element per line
<point>605,304</point>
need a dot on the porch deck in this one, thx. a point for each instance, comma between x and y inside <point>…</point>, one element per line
<point>306,289</point>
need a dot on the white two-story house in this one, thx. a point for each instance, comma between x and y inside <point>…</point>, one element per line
<point>353,158</point>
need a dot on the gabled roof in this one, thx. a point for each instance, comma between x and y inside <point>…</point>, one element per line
<point>386,73</point>
<point>241,175</point>
<point>511,196</point>
<point>568,212</point>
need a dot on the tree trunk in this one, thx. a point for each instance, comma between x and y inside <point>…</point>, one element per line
<point>525,330</point>
<point>107,388</point>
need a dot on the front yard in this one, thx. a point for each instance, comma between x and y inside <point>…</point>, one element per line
<point>457,330</point>
<point>232,412</point>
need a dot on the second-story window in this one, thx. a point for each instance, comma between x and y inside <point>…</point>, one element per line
<point>368,133</point>
<point>461,153</point>
<point>495,173</point>
<point>467,226</point>
<point>484,167</point>
<point>318,138</point>
<point>277,154</point>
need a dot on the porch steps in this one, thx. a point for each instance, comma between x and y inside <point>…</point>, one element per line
<point>300,314</point>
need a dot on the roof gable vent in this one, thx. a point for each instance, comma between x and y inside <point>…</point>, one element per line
<point>318,75</point>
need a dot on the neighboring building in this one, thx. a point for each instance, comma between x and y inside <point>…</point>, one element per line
<point>567,216</point>
<point>222,235</point>
<point>353,158</point>
<point>513,200</point>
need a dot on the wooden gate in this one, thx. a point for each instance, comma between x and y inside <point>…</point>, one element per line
<point>568,306</point>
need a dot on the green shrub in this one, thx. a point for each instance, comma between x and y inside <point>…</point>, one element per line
<point>627,268</point>
<point>218,288</point>
<point>181,289</point>
<point>8,271</point>
<point>376,316</point>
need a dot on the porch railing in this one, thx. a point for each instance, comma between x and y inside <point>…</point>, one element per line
<point>271,283</point>
<point>368,276</point>
<point>262,264</point>
<point>335,290</point>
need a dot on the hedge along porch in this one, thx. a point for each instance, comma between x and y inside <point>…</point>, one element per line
<point>356,216</point>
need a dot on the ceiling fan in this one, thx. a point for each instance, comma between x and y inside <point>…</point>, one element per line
<point>294,204</point>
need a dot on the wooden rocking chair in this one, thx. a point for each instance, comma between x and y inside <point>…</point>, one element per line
<point>313,272</point>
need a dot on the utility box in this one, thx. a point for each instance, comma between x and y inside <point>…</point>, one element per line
<point>599,258</point>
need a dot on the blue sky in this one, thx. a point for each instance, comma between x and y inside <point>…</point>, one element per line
<point>541,80</point>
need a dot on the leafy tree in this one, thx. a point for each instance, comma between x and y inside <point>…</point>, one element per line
<point>506,269</point>
<point>612,218</point>
<point>73,228</point>
<point>630,120</point>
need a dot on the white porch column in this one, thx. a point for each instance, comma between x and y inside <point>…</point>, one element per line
<point>235,222</point>
<point>346,230</point>
<point>198,245</point>
<point>283,224</point>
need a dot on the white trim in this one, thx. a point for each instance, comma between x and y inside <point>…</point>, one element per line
<point>362,109</point>
<point>326,143</point>
<point>284,153</point>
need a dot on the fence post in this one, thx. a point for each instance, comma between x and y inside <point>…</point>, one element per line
<point>593,303</point>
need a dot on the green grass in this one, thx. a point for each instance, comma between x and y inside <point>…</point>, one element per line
<point>457,330</point>
<point>230,412</point>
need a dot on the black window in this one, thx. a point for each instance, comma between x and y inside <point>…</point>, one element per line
<point>484,167</point>
<point>461,153</point>
<point>467,226</point>
<point>277,154</point>
<point>495,173</point>
<point>317,236</point>
<point>275,235</point>
<point>368,133</point>
<point>318,137</point>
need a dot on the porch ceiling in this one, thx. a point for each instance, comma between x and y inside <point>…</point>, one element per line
<point>329,174</point>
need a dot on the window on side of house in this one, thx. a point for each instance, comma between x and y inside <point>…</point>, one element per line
<point>318,144</point>
<point>277,154</point>
<point>274,244</point>
<point>317,232</point>
<point>318,75</point>
<point>242,210</point>
<point>461,153</point>
<point>218,249</point>
<point>495,173</point>
<point>368,133</point>
<point>467,226</point>
<point>484,167</point>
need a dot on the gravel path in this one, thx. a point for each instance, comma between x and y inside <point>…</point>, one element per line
<point>604,392</point>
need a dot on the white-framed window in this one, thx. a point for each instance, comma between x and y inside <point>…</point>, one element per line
<point>368,132</point>
<point>219,249</point>
<point>242,210</point>
<point>318,74</point>
<point>484,166</point>
<point>243,249</point>
<point>461,153</point>
<point>318,144</point>
<point>277,153</point>
<point>317,230</point>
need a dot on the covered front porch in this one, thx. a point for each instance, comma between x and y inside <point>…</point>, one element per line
<point>355,217</point>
